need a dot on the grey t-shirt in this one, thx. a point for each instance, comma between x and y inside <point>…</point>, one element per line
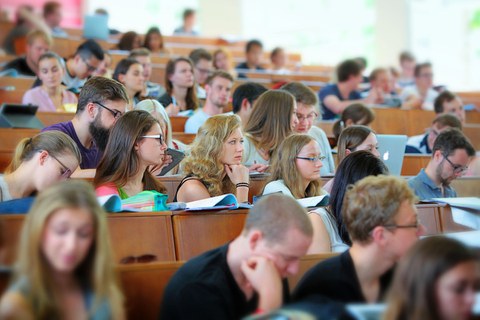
<point>4,192</point>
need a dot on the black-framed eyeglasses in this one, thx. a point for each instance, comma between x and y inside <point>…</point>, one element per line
<point>89,66</point>
<point>456,167</point>
<point>312,159</point>
<point>159,137</point>
<point>115,113</point>
<point>402,226</point>
<point>67,172</point>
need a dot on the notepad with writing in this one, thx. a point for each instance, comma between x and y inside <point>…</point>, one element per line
<point>318,201</point>
<point>225,201</point>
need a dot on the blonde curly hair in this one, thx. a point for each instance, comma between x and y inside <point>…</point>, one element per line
<point>206,151</point>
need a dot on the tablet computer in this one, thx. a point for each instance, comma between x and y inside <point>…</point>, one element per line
<point>177,156</point>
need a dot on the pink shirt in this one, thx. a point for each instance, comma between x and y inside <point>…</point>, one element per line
<point>39,97</point>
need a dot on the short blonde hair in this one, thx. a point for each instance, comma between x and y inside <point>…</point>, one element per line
<point>373,201</point>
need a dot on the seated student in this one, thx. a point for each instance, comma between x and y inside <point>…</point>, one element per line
<point>407,70</point>
<point>129,41</point>
<point>151,89</point>
<point>354,114</point>
<point>52,15</point>
<point>218,86</point>
<point>424,143</point>
<point>187,29</point>
<point>329,230</point>
<point>180,86</point>
<point>65,263</point>
<point>382,222</point>
<point>51,95</point>
<point>381,80</point>
<point>135,143</point>
<point>214,165</point>
<point>253,55</point>
<point>154,41</point>
<point>438,279</point>
<point>334,98</point>
<point>272,120</point>
<point>244,275</point>
<point>451,154</point>
<point>100,103</point>
<point>223,60</point>
<point>129,72</point>
<point>448,102</point>
<point>202,67</point>
<point>295,169</point>
<point>243,99</point>
<point>278,59</point>
<point>104,69</point>
<point>307,112</point>
<point>38,43</point>
<point>421,95</point>
<point>39,162</point>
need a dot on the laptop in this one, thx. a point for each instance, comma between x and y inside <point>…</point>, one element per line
<point>392,150</point>
<point>19,116</point>
<point>95,27</point>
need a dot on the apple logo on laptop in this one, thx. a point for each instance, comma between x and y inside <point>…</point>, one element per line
<point>386,155</point>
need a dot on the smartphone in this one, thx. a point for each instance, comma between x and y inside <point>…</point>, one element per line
<point>177,156</point>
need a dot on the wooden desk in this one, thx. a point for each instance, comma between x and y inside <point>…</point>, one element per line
<point>178,123</point>
<point>50,118</point>
<point>9,138</point>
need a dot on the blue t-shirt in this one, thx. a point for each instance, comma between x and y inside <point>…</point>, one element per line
<point>332,89</point>
<point>426,189</point>
<point>90,157</point>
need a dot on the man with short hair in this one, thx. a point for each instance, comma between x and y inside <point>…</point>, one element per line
<point>407,69</point>
<point>423,143</point>
<point>246,274</point>
<point>243,99</point>
<point>451,154</point>
<point>143,56</point>
<point>448,102</point>
<point>100,103</point>
<point>421,95</point>
<point>253,55</point>
<point>307,113</point>
<point>38,42</point>
<point>218,87</point>
<point>202,68</point>
<point>334,98</point>
<point>381,80</point>
<point>187,29</point>
<point>52,14</point>
<point>381,219</point>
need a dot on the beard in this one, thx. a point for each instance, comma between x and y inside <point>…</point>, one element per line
<point>444,181</point>
<point>99,134</point>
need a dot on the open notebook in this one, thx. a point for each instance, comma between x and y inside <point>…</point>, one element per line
<point>225,201</point>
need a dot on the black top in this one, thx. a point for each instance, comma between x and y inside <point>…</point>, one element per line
<point>243,66</point>
<point>20,64</point>
<point>204,288</point>
<point>188,177</point>
<point>336,279</point>
<point>165,100</point>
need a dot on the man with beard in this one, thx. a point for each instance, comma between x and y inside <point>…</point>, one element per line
<point>451,154</point>
<point>218,87</point>
<point>100,103</point>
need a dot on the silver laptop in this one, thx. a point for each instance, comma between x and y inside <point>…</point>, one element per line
<point>392,150</point>
<point>95,27</point>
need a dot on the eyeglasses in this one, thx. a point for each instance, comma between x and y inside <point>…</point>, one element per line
<point>140,259</point>
<point>308,117</point>
<point>116,114</point>
<point>89,66</point>
<point>456,167</point>
<point>160,138</point>
<point>312,159</point>
<point>65,174</point>
<point>403,226</point>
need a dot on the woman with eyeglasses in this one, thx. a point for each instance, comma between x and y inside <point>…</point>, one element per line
<point>214,166</point>
<point>136,142</point>
<point>438,279</point>
<point>64,267</point>
<point>39,162</point>
<point>129,72</point>
<point>295,169</point>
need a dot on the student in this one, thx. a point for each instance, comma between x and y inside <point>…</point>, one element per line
<point>246,274</point>
<point>187,29</point>
<point>382,222</point>
<point>180,85</point>
<point>420,95</point>
<point>278,59</point>
<point>295,169</point>
<point>438,279</point>
<point>129,72</point>
<point>52,14</point>
<point>253,55</point>
<point>100,103</point>
<point>51,95</point>
<point>244,98</point>
<point>354,114</point>
<point>330,232</point>
<point>307,112</point>
<point>202,68</point>
<point>65,263</point>
<point>407,70</point>
<point>223,60</point>
<point>129,41</point>
<point>449,103</point>
<point>214,166</point>
<point>104,69</point>
<point>272,120</point>
<point>151,89</point>
<point>39,162</point>
<point>218,86</point>
<point>381,80</point>
<point>154,41</point>
<point>451,154</point>
<point>136,143</point>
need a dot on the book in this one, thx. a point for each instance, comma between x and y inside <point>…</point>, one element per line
<point>225,201</point>
<point>318,201</point>
<point>145,201</point>
<point>465,211</point>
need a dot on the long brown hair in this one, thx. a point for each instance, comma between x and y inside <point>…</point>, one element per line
<point>191,98</point>
<point>120,162</point>
<point>351,138</point>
